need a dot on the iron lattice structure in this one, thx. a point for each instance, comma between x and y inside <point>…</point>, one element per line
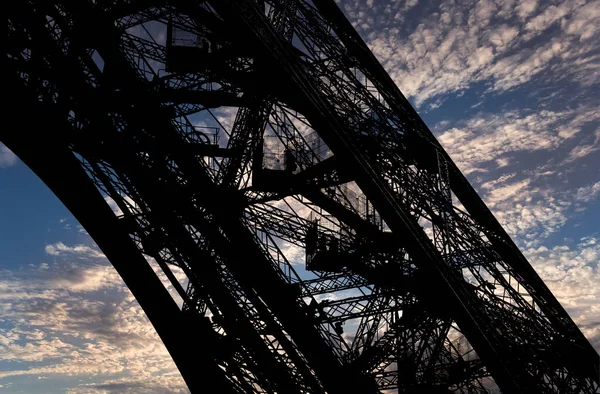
<point>323,241</point>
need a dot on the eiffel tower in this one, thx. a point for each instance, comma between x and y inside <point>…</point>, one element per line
<point>315,235</point>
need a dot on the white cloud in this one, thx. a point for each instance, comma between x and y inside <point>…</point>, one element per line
<point>7,158</point>
<point>584,21</point>
<point>502,162</point>
<point>526,8</point>
<point>571,273</point>
<point>530,209</point>
<point>294,254</point>
<point>66,328</point>
<point>546,18</point>
<point>527,212</point>
<point>488,137</point>
<point>75,317</point>
<point>60,249</point>
<point>533,199</point>
<point>507,192</point>
<point>490,184</point>
<point>588,193</point>
<point>582,151</point>
<point>585,149</point>
<point>35,350</point>
<point>460,44</point>
<point>91,278</point>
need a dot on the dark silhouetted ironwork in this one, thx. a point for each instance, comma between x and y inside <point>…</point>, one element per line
<point>314,235</point>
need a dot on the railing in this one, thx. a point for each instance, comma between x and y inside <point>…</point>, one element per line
<point>201,134</point>
<point>184,38</point>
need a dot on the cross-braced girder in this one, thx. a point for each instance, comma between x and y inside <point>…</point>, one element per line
<point>326,241</point>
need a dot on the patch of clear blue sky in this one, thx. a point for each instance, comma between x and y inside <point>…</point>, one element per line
<point>29,217</point>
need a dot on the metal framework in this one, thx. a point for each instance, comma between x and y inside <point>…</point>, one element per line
<point>327,241</point>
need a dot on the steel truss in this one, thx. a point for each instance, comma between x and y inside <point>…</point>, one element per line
<point>326,241</point>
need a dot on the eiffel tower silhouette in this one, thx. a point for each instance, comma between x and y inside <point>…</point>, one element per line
<point>316,236</point>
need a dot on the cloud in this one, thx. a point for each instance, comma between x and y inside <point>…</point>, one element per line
<point>528,212</point>
<point>585,149</point>
<point>7,158</point>
<point>494,136</point>
<point>588,193</point>
<point>455,45</point>
<point>81,251</point>
<point>74,318</point>
<point>294,254</point>
<point>571,272</point>
<point>131,385</point>
<point>531,207</point>
<point>35,350</point>
<point>525,8</point>
<point>502,162</point>
<point>91,278</point>
<point>520,163</point>
<point>546,18</point>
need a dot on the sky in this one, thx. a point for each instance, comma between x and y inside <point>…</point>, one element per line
<point>510,88</point>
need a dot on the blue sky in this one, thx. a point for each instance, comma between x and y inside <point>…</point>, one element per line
<point>510,89</point>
